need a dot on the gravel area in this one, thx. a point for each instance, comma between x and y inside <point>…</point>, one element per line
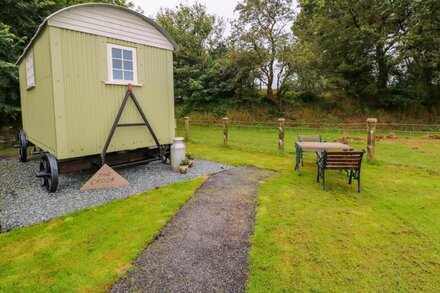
<point>23,202</point>
<point>204,248</point>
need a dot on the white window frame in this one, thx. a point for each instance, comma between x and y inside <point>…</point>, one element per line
<point>30,71</point>
<point>111,80</point>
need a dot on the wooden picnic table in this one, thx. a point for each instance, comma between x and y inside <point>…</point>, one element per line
<point>307,146</point>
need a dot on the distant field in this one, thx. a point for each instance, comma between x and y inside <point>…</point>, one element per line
<point>385,239</point>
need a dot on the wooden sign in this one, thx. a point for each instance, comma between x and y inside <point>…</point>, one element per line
<point>106,177</point>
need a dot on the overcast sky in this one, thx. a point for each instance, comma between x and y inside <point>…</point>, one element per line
<point>223,8</point>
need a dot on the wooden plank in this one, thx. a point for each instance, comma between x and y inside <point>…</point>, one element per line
<point>345,153</point>
<point>344,157</point>
<point>343,160</point>
<point>342,163</point>
<point>58,93</point>
<point>324,145</point>
<point>340,167</point>
<point>309,138</point>
<point>340,156</point>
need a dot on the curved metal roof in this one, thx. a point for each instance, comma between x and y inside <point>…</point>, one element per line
<point>143,17</point>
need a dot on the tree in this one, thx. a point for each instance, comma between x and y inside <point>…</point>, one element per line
<point>261,30</point>
<point>373,50</point>
<point>199,36</point>
<point>420,50</point>
<point>8,75</point>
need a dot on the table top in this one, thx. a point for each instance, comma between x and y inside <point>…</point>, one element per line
<point>318,146</point>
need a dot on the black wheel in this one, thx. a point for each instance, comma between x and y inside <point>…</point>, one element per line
<point>48,173</point>
<point>164,158</point>
<point>22,146</point>
<point>165,154</point>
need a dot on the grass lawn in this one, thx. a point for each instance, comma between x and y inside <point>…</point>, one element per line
<point>385,239</point>
<point>87,251</point>
<point>8,152</point>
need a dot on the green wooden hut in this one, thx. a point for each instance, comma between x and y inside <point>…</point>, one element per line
<point>73,79</point>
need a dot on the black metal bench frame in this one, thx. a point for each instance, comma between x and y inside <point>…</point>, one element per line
<point>349,161</point>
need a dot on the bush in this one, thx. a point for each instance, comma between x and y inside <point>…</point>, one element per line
<point>8,113</point>
<point>220,110</point>
<point>275,113</point>
<point>309,97</point>
<point>400,99</point>
<point>302,98</point>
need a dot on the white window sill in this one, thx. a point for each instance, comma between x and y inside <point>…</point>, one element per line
<point>123,83</point>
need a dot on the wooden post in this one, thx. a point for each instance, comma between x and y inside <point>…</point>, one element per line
<point>225,130</point>
<point>281,133</point>
<point>186,128</point>
<point>371,140</point>
<point>175,127</point>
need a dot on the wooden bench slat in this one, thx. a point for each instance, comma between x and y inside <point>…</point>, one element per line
<point>329,164</point>
<point>344,157</point>
<point>341,168</point>
<point>343,154</point>
<point>357,157</point>
<point>343,160</point>
<point>310,138</point>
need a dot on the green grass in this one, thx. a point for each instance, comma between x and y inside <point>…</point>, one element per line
<point>385,239</point>
<point>8,152</point>
<point>305,239</point>
<point>87,250</point>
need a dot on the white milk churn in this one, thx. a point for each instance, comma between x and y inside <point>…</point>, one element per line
<point>178,153</point>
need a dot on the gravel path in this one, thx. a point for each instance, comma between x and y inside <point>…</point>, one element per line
<point>23,202</point>
<point>204,247</point>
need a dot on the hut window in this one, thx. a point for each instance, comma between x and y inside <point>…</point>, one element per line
<point>122,64</point>
<point>30,77</point>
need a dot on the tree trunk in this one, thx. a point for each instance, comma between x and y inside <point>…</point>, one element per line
<point>279,96</point>
<point>269,91</point>
<point>272,97</point>
<point>382,77</point>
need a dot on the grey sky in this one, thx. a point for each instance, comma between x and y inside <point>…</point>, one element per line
<point>223,8</point>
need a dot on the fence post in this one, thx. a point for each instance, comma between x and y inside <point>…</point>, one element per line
<point>186,128</point>
<point>371,140</point>
<point>225,130</point>
<point>281,133</point>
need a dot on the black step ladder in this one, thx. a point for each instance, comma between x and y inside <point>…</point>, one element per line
<point>129,94</point>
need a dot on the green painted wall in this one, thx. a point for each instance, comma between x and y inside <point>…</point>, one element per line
<point>37,102</point>
<point>86,106</point>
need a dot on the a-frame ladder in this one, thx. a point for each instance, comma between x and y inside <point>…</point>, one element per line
<point>129,94</point>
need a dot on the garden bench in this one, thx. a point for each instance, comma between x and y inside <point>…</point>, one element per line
<point>308,138</point>
<point>349,161</point>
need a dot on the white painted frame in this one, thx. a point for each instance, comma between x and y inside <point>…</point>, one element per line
<point>111,80</point>
<point>30,71</point>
